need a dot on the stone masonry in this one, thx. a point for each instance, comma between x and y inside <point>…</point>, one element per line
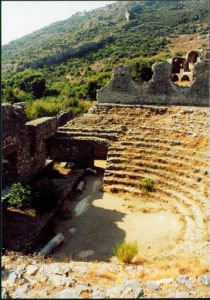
<point>159,90</point>
<point>23,144</point>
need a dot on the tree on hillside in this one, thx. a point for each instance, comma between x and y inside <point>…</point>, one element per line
<point>29,81</point>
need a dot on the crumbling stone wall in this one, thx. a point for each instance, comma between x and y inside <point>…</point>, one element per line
<point>159,90</point>
<point>200,86</point>
<point>23,144</point>
<point>182,67</point>
<point>39,131</point>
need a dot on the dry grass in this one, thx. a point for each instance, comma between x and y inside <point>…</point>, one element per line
<point>162,274</point>
<point>186,42</point>
<point>171,267</point>
<point>140,259</point>
<point>191,266</point>
<point>106,278</point>
<point>27,211</point>
<point>108,275</point>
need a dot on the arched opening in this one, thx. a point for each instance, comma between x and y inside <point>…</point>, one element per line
<point>185,78</point>
<point>146,74</point>
<point>177,64</point>
<point>174,78</point>
<point>192,57</point>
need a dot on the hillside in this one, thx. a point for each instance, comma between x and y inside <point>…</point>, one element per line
<point>76,56</point>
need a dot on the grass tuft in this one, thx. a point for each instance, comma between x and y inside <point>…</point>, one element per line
<point>147,184</point>
<point>126,251</point>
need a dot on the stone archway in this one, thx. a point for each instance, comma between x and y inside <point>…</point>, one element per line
<point>185,78</point>
<point>177,64</point>
<point>174,78</point>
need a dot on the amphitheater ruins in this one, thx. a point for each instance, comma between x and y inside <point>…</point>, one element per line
<point>155,130</point>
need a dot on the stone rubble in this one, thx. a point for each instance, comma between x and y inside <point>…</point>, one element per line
<point>75,280</point>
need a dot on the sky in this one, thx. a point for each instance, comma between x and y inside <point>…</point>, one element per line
<point>19,18</point>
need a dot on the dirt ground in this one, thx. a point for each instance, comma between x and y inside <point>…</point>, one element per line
<point>187,42</point>
<point>101,220</point>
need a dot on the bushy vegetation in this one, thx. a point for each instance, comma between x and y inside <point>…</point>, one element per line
<point>73,58</point>
<point>40,197</point>
<point>29,85</point>
<point>20,196</point>
<point>141,66</point>
<point>51,106</point>
<point>29,81</point>
<point>147,184</point>
<point>126,251</point>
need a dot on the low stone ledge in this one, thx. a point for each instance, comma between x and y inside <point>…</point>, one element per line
<point>43,127</point>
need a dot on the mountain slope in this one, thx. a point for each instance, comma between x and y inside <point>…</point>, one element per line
<point>144,34</point>
<point>77,56</point>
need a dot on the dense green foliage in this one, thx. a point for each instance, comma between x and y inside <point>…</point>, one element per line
<point>28,82</point>
<point>19,196</point>
<point>51,106</point>
<point>73,58</point>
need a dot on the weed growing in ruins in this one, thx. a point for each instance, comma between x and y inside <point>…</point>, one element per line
<point>126,251</point>
<point>19,196</point>
<point>147,184</point>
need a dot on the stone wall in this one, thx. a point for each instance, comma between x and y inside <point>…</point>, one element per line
<point>159,90</point>
<point>23,144</point>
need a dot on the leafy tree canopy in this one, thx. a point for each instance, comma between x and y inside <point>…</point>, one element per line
<point>29,81</point>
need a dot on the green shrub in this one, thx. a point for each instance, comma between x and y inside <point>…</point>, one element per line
<point>29,81</point>
<point>19,196</point>
<point>147,184</point>
<point>126,251</point>
<point>51,106</point>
